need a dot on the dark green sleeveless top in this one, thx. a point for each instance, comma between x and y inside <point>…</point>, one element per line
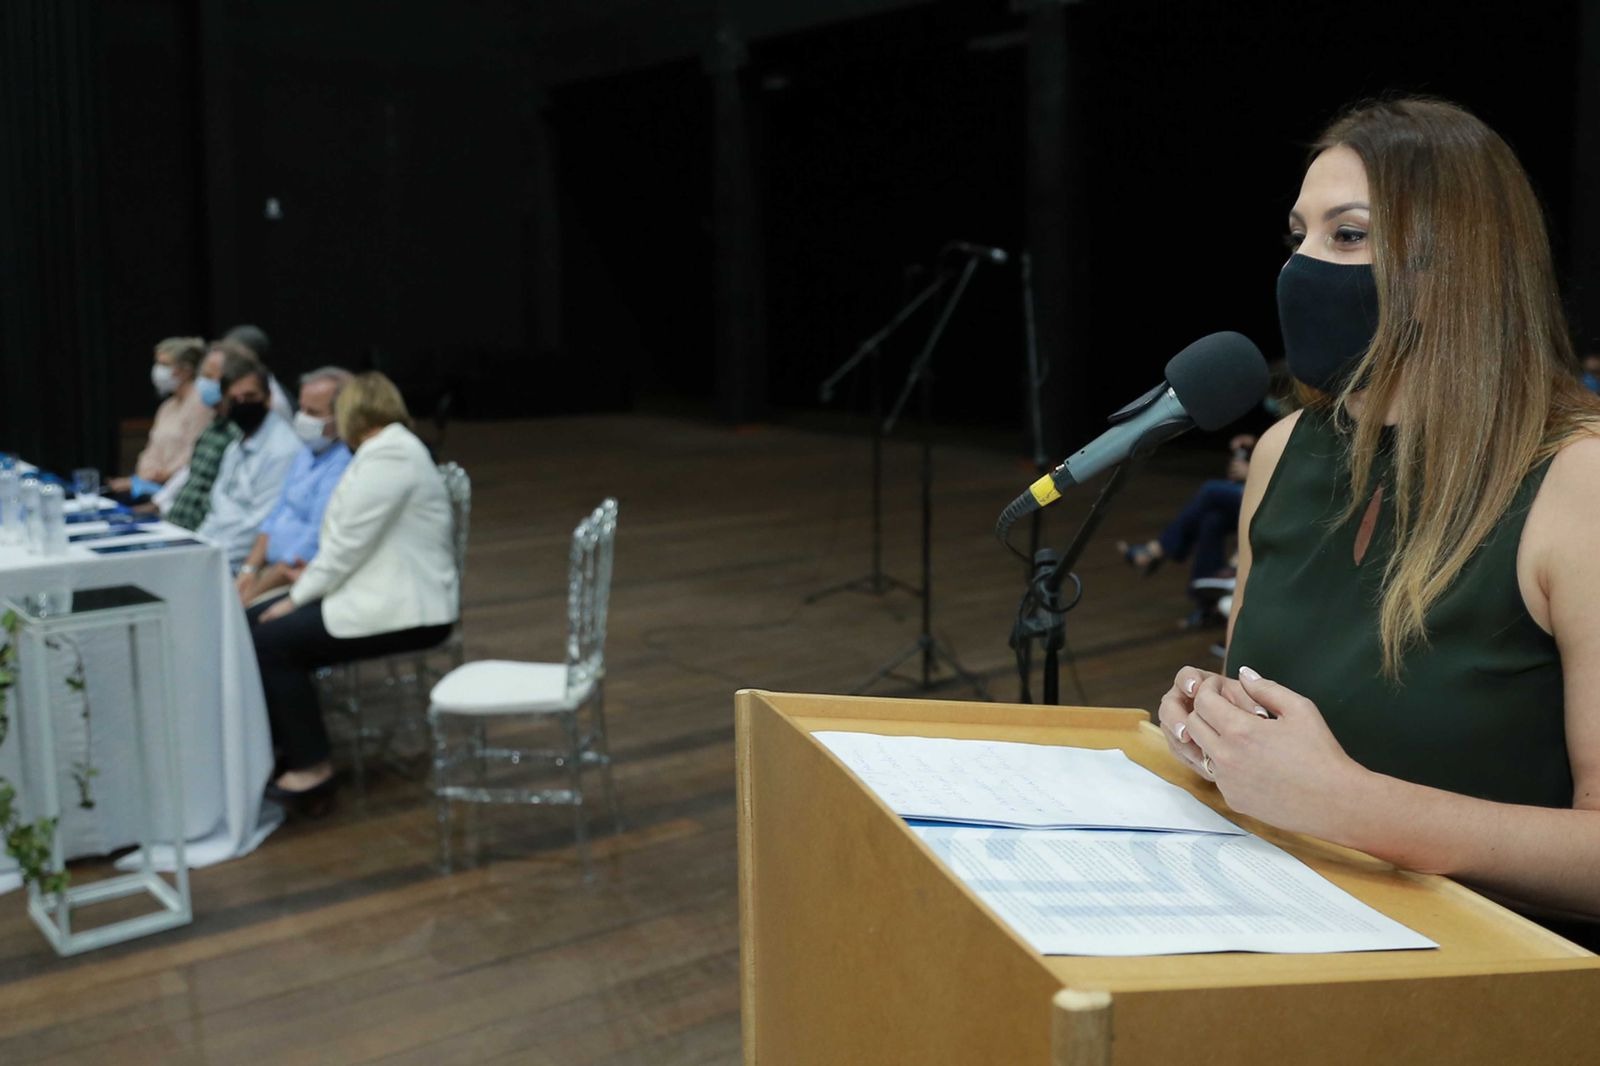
<point>1477,710</point>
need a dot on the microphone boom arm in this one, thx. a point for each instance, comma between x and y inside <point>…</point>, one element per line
<point>1041,615</point>
<point>870,345</point>
<point>920,367</point>
<point>1051,581</point>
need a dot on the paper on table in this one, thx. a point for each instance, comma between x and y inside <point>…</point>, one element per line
<point>1003,783</point>
<point>1092,892</point>
<point>93,531</point>
<point>87,503</point>
<point>140,544</point>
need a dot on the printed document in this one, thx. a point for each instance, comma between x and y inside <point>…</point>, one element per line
<point>1002,783</point>
<point>1090,892</point>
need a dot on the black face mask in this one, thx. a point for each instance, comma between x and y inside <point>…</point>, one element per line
<point>248,416</point>
<point>1329,315</point>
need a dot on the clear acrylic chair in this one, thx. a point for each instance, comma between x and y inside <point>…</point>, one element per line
<point>472,696</point>
<point>405,676</point>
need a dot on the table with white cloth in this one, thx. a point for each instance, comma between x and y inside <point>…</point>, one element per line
<point>220,718</point>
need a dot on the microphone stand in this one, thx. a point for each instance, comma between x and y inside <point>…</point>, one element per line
<point>876,582</point>
<point>1042,613</point>
<point>920,377</point>
<point>1041,462</point>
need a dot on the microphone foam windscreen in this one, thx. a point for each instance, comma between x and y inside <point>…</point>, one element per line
<point>1218,378</point>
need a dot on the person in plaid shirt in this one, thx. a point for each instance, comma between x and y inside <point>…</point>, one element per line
<point>193,500</point>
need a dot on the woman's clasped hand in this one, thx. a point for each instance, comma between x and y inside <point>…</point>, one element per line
<point>1267,748</point>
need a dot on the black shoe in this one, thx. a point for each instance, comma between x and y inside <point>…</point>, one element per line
<point>313,802</point>
<point>1140,557</point>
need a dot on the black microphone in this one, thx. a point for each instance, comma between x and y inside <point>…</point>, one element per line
<point>980,251</point>
<point>1214,381</point>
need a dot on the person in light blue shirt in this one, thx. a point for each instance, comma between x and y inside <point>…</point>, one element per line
<point>287,540</point>
<point>251,476</point>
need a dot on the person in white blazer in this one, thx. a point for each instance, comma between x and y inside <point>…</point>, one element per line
<point>383,581</point>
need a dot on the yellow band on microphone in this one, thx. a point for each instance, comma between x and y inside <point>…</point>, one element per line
<point>1044,490</point>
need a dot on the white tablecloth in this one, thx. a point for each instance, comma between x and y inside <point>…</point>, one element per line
<point>224,746</point>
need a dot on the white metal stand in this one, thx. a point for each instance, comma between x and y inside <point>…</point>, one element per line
<point>155,750</point>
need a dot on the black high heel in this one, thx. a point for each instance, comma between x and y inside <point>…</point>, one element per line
<point>1140,557</point>
<point>313,802</point>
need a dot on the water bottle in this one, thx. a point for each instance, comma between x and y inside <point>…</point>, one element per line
<point>11,527</point>
<point>33,533</point>
<point>52,520</point>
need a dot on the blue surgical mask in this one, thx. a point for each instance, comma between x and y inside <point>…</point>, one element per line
<point>209,390</point>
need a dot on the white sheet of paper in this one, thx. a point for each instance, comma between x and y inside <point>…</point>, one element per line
<point>1003,783</point>
<point>86,503</point>
<point>1091,892</point>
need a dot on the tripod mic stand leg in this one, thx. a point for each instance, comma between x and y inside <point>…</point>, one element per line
<point>926,645</point>
<point>930,650</point>
<point>888,668</point>
<point>877,582</point>
<point>942,653</point>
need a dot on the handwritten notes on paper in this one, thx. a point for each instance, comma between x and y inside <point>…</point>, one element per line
<point>1001,783</point>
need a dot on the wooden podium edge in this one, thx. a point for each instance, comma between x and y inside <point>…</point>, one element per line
<point>744,702</point>
<point>760,722</point>
<point>1086,1029</point>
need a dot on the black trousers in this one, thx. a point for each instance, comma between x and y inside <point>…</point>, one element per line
<point>288,649</point>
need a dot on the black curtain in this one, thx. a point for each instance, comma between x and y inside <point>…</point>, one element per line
<point>55,353</point>
<point>1583,237</point>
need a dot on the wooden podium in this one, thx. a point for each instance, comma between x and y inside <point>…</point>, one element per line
<point>858,947</point>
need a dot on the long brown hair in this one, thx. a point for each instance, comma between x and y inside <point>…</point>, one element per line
<point>1471,350</point>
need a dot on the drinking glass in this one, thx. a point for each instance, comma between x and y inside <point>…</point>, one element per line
<point>86,482</point>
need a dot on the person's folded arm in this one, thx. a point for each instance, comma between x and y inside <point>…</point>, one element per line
<point>162,498</point>
<point>365,504</point>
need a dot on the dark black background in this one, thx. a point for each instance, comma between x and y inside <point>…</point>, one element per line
<point>395,137</point>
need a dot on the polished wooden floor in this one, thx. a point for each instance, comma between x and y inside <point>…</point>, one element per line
<point>339,942</point>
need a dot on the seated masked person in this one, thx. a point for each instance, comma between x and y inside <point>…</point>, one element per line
<point>383,581</point>
<point>179,421</point>
<point>287,540</point>
<point>185,499</point>
<point>253,470</point>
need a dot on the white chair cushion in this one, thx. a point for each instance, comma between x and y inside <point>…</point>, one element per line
<point>495,686</point>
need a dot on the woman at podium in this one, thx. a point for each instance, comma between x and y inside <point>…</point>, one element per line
<point>1414,657</point>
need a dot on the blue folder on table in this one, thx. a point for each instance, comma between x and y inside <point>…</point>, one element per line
<point>143,545</point>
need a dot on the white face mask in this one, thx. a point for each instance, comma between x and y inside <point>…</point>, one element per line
<point>312,430</point>
<point>163,378</point>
